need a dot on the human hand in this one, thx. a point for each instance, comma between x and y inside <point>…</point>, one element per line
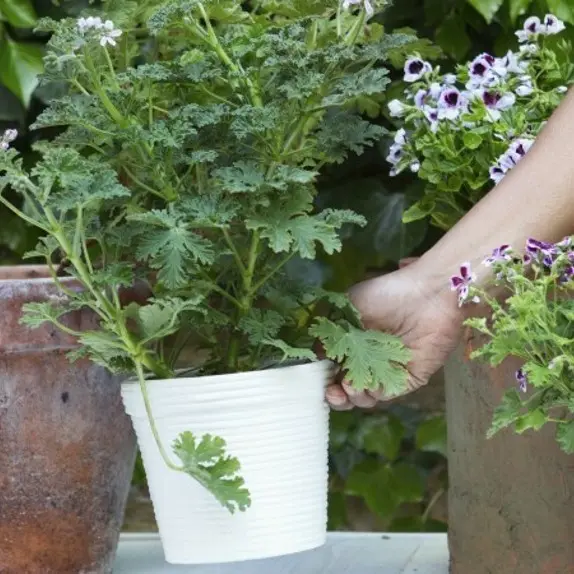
<point>415,306</point>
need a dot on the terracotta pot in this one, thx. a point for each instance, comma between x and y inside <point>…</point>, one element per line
<point>511,498</point>
<point>67,448</point>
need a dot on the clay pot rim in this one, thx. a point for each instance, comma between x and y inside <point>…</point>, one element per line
<point>36,274</point>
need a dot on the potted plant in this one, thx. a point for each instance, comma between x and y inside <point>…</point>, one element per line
<point>187,163</point>
<point>461,133</point>
<point>523,331</point>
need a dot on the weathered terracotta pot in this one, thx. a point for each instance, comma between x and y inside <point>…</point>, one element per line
<point>511,498</point>
<point>67,448</point>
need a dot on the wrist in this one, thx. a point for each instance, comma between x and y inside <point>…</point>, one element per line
<point>433,280</point>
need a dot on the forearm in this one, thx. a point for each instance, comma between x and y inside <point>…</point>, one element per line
<point>535,199</point>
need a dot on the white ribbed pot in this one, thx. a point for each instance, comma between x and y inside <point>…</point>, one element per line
<point>275,422</point>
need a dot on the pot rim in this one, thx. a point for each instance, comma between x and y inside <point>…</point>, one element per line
<point>35,274</point>
<point>326,364</point>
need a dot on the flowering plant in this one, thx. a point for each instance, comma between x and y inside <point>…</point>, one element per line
<point>532,321</point>
<point>463,132</point>
<point>192,135</point>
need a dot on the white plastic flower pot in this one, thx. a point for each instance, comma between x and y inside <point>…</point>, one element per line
<point>276,423</point>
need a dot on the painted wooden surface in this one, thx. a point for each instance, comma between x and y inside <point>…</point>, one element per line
<point>344,553</point>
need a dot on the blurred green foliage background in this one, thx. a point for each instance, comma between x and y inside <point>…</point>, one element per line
<point>388,465</point>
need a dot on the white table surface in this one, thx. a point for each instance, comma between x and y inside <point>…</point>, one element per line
<point>344,553</point>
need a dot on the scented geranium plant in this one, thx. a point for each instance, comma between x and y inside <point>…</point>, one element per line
<point>532,319</point>
<point>462,132</point>
<point>192,134</point>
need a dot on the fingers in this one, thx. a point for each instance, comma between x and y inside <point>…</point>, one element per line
<point>343,397</point>
<point>360,399</point>
<point>338,398</point>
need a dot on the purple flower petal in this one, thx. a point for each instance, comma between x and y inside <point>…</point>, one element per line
<point>465,272</point>
<point>456,282</point>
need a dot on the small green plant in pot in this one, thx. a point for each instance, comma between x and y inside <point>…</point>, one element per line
<point>531,320</point>
<point>186,165</point>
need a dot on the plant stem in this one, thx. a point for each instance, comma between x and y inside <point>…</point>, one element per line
<point>234,250</point>
<point>245,301</point>
<point>275,269</point>
<point>153,427</point>
<point>142,184</point>
<point>213,41</point>
<point>22,215</point>
<point>111,68</point>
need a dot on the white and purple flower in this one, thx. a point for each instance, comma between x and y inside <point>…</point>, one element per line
<point>542,250</point>
<point>450,104</point>
<point>366,4</point>
<point>481,72</point>
<point>90,23</point>
<point>401,137</point>
<point>513,63</point>
<point>532,27</point>
<point>432,115</point>
<point>415,69</point>
<point>499,255</point>
<point>552,25</point>
<point>496,102</point>
<point>7,138</point>
<point>522,380</point>
<point>395,154</point>
<point>461,284</point>
<point>497,173</point>
<point>109,33</point>
<point>510,158</point>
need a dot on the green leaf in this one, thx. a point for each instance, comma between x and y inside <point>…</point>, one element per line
<point>36,314</point>
<point>471,140</point>
<point>290,352</point>
<point>171,246</point>
<point>160,318</point>
<point>507,412</point>
<point>518,8</point>
<point>431,435</point>
<point>453,38</point>
<point>374,483</point>
<point>407,482</point>
<point>487,8</point>
<point>385,439</point>
<point>534,420</point>
<point>371,359</point>
<point>419,210</point>
<point>208,463</point>
<point>20,66</point>
<point>19,13</point>
<point>261,325</point>
<point>562,9</point>
<point>565,436</point>
<point>298,233</point>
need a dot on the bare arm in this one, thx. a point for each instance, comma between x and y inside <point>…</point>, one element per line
<point>536,199</point>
